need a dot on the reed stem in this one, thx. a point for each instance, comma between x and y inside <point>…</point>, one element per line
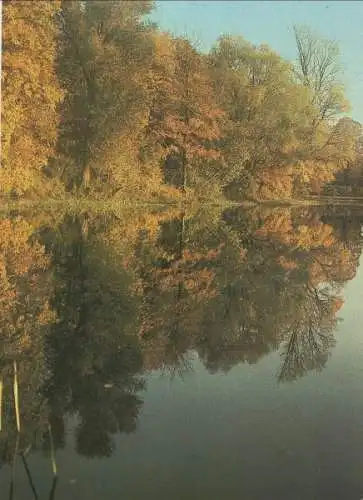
<point>16,396</point>
<point>30,479</point>
<point>1,404</point>
<point>52,451</point>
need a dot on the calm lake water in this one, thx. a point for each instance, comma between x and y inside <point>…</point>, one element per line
<point>214,356</point>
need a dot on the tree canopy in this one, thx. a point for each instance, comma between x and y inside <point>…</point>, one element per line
<point>98,101</point>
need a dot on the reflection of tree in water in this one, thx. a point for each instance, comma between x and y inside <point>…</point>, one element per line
<point>308,340</point>
<point>234,330</point>
<point>25,318</point>
<point>176,282</point>
<point>93,359</point>
<point>283,292</point>
<point>231,289</point>
<point>105,412</point>
<point>304,294</point>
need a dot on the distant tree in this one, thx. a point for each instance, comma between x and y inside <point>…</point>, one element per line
<point>319,70</point>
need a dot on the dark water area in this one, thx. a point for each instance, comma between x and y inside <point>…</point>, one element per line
<point>168,356</point>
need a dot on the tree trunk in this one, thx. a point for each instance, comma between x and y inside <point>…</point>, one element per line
<point>181,236</point>
<point>86,176</point>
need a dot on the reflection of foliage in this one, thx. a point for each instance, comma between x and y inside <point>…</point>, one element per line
<point>22,270</point>
<point>93,359</point>
<point>128,296</point>
<point>269,283</point>
<point>25,317</point>
<point>178,281</point>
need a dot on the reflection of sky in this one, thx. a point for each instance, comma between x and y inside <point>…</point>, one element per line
<point>350,338</point>
<point>271,22</point>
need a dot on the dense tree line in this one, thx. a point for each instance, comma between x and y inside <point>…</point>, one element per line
<point>97,100</point>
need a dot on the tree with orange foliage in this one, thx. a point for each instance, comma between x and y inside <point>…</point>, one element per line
<point>184,119</point>
<point>30,93</point>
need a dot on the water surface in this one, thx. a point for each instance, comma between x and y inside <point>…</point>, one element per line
<point>213,356</point>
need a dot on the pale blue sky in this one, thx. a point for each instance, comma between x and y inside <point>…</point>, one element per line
<point>271,22</point>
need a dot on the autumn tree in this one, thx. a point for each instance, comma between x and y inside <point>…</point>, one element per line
<point>31,92</point>
<point>345,144</point>
<point>267,115</point>
<point>105,49</point>
<point>184,119</point>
